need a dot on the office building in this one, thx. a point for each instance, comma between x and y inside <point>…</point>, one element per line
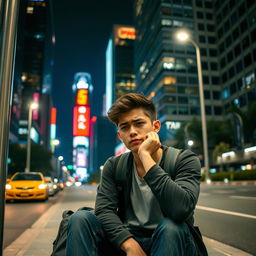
<point>166,70</point>
<point>102,142</point>
<point>119,64</point>
<point>33,71</point>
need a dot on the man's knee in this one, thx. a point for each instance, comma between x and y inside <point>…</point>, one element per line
<point>171,229</point>
<point>81,218</point>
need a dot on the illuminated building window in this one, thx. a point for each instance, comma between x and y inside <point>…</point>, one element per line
<point>169,80</point>
<point>166,22</point>
<point>30,10</point>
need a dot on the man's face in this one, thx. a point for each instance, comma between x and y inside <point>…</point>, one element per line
<point>133,127</point>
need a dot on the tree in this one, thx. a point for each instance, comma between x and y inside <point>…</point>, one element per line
<point>248,117</point>
<point>219,150</point>
<point>40,159</point>
<point>216,132</point>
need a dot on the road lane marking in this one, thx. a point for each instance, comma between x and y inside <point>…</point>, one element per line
<point>225,212</point>
<point>224,192</point>
<point>244,197</point>
<point>204,194</point>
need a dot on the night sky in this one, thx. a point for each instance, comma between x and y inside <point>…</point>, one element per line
<point>82,30</point>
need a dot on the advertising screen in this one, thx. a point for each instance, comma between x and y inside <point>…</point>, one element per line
<point>81,121</point>
<point>82,97</point>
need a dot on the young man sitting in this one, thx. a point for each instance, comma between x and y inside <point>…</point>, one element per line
<point>149,214</point>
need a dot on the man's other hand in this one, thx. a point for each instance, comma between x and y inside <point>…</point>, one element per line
<point>132,248</point>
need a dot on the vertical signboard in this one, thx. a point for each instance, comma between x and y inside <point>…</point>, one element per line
<point>81,121</point>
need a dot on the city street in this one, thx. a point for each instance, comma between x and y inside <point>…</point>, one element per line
<point>234,226</point>
<point>21,215</point>
<point>236,223</point>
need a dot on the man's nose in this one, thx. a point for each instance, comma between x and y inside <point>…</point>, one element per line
<point>132,131</point>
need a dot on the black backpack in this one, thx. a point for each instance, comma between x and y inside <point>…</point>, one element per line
<point>59,244</point>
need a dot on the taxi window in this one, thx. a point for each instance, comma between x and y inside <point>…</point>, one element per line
<point>27,176</point>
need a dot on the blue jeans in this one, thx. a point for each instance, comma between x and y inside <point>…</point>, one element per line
<point>86,238</point>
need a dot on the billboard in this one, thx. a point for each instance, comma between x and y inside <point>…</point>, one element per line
<point>82,97</point>
<point>81,121</point>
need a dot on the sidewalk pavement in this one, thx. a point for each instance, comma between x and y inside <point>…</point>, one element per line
<point>37,240</point>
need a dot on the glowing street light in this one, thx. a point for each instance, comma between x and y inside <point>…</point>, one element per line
<point>32,106</point>
<point>60,158</point>
<point>184,36</point>
<point>190,143</point>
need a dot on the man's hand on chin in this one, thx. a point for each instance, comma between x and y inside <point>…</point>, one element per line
<point>150,145</point>
<point>146,150</point>
<point>132,248</point>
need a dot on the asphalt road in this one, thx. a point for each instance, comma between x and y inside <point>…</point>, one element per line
<point>228,214</point>
<point>21,215</point>
<point>224,213</point>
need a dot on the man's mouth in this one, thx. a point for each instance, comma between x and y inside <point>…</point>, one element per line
<point>135,141</point>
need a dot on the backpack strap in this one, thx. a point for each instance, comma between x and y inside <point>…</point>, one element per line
<point>170,160</point>
<point>121,163</point>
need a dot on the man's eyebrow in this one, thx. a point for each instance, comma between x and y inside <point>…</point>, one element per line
<point>133,121</point>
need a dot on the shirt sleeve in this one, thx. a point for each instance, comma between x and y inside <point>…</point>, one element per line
<point>107,204</point>
<point>177,198</point>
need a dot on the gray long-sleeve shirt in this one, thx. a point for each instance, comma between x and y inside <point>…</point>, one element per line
<point>177,197</point>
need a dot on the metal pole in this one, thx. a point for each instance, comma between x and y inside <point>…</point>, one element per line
<point>202,107</point>
<point>7,53</point>
<point>186,135</point>
<point>27,169</point>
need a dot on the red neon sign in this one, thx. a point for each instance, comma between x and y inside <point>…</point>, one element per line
<point>53,116</point>
<point>82,97</point>
<point>126,32</point>
<point>81,121</point>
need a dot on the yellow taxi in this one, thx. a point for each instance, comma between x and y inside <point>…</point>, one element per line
<point>26,185</point>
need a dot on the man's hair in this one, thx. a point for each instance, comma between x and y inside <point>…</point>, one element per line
<point>129,102</point>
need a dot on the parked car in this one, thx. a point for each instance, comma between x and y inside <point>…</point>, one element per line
<point>26,185</point>
<point>51,187</point>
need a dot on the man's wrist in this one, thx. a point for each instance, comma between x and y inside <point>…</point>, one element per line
<point>128,244</point>
<point>143,154</point>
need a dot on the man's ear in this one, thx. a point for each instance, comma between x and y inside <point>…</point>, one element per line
<point>119,136</point>
<point>156,125</point>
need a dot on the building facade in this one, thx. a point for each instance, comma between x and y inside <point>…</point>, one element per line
<point>33,71</point>
<point>119,64</point>
<point>166,70</point>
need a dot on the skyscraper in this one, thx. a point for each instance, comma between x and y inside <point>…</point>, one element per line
<point>166,70</point>
<point>119,64</point>
<point>33,70</point>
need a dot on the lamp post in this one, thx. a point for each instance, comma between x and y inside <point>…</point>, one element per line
<point>55,143</point>
<point>184,36</point>
<point>32,107</point>
<point>60,158</point>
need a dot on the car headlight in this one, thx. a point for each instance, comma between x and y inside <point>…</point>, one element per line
<point>42,186</point>
<point>8,186</point>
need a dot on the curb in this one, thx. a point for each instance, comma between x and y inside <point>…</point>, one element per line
<point>232,183</point>
<point>223,249</point>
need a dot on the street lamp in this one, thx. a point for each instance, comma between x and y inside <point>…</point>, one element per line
<point>190,143</point>
<point>32,107</point>
<point>59,159</point>
<point>55,143</point>
<point>184,36</point>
